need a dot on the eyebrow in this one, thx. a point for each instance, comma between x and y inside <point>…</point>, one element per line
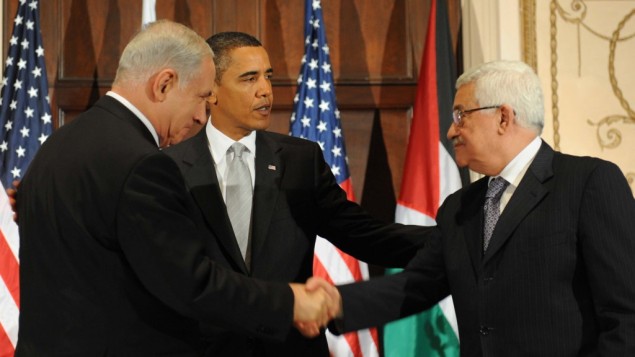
<point>253,73</point>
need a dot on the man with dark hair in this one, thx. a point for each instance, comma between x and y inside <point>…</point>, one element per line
<point>293,195</point>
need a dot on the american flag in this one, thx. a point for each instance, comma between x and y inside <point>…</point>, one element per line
<point>25,123</point>
<point>316,117</point>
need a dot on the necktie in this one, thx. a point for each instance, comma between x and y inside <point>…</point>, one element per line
<point>492,208</point>
<point>239,197</point>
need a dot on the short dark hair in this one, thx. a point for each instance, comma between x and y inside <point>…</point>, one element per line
<point>223,43</point>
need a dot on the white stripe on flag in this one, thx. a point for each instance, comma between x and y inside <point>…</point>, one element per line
<point>9,314</point>
<point>340,348</point>
<point>340,273</point>
<point>7,225</point>
<point>447,306</point>
<point>332,262</point>
<point>407,215</point>
<point>369,349</point>
<point>449,177</point>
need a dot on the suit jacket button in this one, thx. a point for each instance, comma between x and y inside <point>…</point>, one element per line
<point>484,330</point>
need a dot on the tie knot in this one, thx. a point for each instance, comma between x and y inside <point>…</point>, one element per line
<point>238,149</point>
<point>496,187</point>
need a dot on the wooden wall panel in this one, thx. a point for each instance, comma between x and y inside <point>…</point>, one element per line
<point>369,40</point>
<point>375,50</point>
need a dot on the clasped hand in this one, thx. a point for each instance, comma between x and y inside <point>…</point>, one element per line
<point>316,303</point>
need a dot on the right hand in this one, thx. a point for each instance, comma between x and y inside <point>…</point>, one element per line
<point>13,194</point>
<point>312,309</point>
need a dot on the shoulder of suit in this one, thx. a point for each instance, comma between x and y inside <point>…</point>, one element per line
<point>285,139</point>
<point>579,164</point>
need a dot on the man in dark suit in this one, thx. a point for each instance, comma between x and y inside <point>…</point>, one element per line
<point>295,195</point>
<point>554,275</point>
<point>112,259</point>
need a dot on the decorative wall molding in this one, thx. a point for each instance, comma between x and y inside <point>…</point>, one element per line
<point>608,135</point>
<point>528,31</point>
<point>582,51</point>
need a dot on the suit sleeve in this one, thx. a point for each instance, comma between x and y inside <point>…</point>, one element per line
<point>380,300</point>
<point>607,236</point>
<point>354,231</point>
<point>156,226</point>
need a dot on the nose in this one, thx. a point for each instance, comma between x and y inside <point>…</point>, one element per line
<point>200,116</point>
<point>452,131</point>
<point>264,89</point>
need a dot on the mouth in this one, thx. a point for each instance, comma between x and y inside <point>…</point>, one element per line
<point>263,109</point>
<point>457,141</point>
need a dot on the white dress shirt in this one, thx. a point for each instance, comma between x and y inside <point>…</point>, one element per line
<point>219,143</point>
<point>516,169</point>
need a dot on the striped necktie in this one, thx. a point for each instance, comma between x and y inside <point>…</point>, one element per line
<point>492,208</point>
<point>239,195</point>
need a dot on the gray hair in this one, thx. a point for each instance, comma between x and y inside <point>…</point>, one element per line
<point>509,82</point>
<point>159,45</point>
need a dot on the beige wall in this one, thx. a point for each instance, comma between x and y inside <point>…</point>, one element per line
<point>587,77</point>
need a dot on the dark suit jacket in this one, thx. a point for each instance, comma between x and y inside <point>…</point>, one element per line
<point>296,198</point>
<point>557,278</point>
<point>112,261</point>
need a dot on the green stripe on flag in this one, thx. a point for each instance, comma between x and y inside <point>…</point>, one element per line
<point>427,334</point>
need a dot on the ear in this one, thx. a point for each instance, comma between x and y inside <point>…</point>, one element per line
<point>213,99</point>
<point>162,83</point>
<point>507,118</point>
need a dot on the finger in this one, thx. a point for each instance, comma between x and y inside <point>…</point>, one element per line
<point>315,282</point>
<point>310,331</point>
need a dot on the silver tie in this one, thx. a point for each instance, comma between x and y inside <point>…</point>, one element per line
<point>492,208</point>
<point>239,197</point>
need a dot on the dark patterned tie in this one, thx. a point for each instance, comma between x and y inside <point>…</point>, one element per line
<point>239,197</point>
<point>492,208</point>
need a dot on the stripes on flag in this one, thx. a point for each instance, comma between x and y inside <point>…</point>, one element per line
<point>430,175</point>
<point>25,123</point>
<point>316,117</point>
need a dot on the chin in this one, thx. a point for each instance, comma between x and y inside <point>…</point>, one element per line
<point>178,138</point>
<point>260,125</point>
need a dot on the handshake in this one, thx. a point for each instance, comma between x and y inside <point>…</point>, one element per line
<point>315,304</point>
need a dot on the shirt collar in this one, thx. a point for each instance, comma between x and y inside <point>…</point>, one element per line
<point>219,143</point>
<point>515,169</point>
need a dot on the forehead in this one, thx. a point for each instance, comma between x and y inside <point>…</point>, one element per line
<point>465,95</point>
<point>246,59</point>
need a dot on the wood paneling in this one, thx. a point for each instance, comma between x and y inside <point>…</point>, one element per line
<point>375,49</point>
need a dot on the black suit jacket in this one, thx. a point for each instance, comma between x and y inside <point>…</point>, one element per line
<point>556,280</point>
<point>296,198</point>
<point>112,258</point>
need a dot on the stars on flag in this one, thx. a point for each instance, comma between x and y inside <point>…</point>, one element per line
<point>314,103</point>
<point>25,113</point>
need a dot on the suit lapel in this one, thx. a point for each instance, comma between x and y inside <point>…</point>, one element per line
<point>470,218</point>
<point>203,183</point>
<point>269,170</point>
<point>528,194</point>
